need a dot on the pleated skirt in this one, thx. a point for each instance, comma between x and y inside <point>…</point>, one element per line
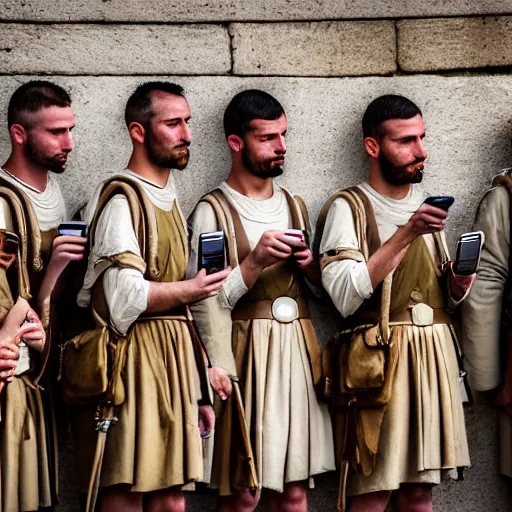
<point>423,431</point>
<point>156,444</point>
<point>24,456</point>
<point>290,430</point>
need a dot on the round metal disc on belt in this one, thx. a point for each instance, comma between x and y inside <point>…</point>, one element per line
<point>285,309</point>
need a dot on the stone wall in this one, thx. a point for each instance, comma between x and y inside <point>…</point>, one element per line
<point>324,60</point>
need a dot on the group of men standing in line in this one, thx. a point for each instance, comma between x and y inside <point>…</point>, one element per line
<point>380,253</point>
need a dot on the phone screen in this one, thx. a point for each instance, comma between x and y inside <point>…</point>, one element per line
<point>468,254</point>
<point>212,254</point>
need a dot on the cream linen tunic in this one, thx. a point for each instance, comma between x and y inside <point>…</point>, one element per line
<point>295,438</point>
<point>481,313</point>
<point>414,444</point>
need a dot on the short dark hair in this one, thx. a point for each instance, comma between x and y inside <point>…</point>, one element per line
<point>138,108</point>
<point>249,105</point>
<point>383,108</point>
<point>33,96</point>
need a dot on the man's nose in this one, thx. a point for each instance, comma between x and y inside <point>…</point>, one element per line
<point>186,134</point>
<point>69,142</point>
<point>280,145</point>
<point>421,152</point>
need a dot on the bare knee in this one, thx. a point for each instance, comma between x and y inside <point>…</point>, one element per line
<point>415,498</point>
<point>370,502</point>
<point>242,501</point>
<point>120,498</point>
<point>292,499</point>
<point>168,500</point>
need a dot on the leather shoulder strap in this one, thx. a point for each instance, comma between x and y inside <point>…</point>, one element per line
<point>229,221</point>
<point>355,198</point>
<point>26,226</point>
<point>305,215</point>
<point>142,213</point>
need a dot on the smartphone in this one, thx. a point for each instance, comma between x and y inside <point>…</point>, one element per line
<point>9,242</point>
<point>443,202</point>
<point>212,252</point>
<point>297,233</point>
<point>469,247</point>
<point>73,228</point>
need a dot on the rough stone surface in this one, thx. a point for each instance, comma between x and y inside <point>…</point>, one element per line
<point>437,44</point>
<point>239,10</point>
<point>468,123</point>
<point>338,48</point>
<point>114,49</point>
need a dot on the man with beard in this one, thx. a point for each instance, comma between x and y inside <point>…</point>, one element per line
<point>384,263</point>
<point>40,121</point>
<point>257,329</point>
<point>155,449</point>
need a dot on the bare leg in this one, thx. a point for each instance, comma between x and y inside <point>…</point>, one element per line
<point>370,502</point>
<point>415,498</point>
<point>242,501</point>
<point>293,498</point>
<point>118,498</point>
<point>166,500</point>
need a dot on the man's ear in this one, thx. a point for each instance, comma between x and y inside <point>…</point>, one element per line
<point>18,134</point>
<point>372,147</point>
<point>137,132</point>
<point>235,142</point>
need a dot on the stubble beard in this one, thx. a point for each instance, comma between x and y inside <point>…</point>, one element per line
<point>174,160</point>
<point>50,163</point>
<point>265,169</point>
<point>411,173</point>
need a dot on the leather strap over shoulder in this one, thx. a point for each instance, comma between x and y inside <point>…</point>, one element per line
<point>143,218</point>
<point>26,226</point>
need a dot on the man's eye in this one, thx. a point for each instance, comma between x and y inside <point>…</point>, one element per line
<point>57,132</point>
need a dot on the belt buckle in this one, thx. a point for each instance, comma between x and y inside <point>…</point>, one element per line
<point>285,310</point>
<point>422,315</point>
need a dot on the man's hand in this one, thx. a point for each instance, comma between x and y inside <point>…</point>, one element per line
<point>9,355</point>
<point>6,260</point>
<point>220,381</point>
<point>32,332</point>
<point>203,285</point>
<point>426,219</point>
<point>308,265</point>
<point>65,249</point>
<point>206,420</point>
<point>459,285</point>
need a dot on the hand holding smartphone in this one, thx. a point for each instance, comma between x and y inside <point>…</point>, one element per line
<point>297,233</point>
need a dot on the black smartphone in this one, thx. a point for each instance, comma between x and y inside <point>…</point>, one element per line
<point>469,247</point>
<point>73,228</point>
<point>443,202</point>
<point>212,252</point>
<point>9,241</point>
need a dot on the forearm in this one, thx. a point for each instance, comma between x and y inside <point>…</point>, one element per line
<point>251,270</point>
<point>388,256</point>
<point>167,296</point>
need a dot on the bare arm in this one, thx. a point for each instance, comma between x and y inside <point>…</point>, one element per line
<point>166,296</point>
<point>427,219</point>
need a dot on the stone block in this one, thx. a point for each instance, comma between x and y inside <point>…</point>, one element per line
<point>87,49</point>
<point>454,43</point>
<point>239,10</point>
<point>338,48</point>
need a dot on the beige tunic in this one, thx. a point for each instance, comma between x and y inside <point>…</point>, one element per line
<point>481,312</point>
<point>156,444</point>
<point>28,465</point>
<point>291,431</point>
<point>423,430</point>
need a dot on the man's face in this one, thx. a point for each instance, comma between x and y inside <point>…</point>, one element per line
<point>49,139</point>
<point>264,147</point>
<point>402,152</point>
<point>168,135</point>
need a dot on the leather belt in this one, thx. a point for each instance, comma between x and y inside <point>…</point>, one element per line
<point>262,309</point>
<point>402,318</point>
